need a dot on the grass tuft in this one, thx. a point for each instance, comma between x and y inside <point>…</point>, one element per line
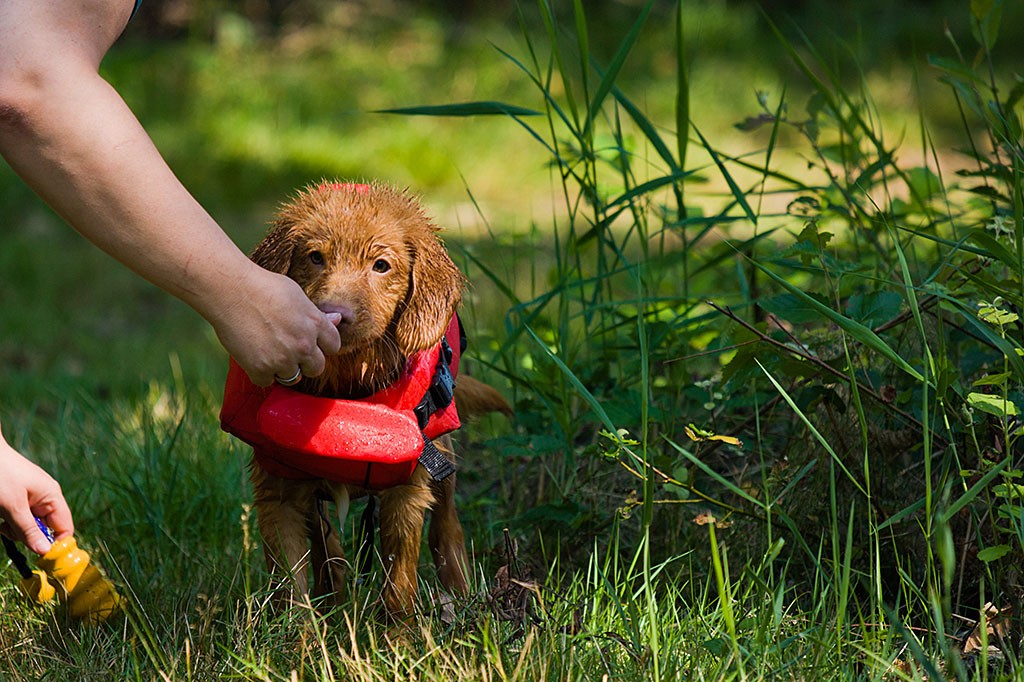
<point>767,377</point>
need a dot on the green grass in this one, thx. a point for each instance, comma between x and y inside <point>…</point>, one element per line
<point>821,285</point>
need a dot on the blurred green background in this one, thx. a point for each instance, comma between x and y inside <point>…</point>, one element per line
<point>250,100</point>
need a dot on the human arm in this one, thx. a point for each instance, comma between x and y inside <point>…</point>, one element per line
<point>27,491</point>
<point>72,138</point>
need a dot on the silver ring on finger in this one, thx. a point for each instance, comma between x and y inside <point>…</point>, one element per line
<point>296,378</point>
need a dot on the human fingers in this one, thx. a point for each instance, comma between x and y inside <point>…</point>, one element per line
<point>312,363</point>
<point>328,342</point>
<point>47,504</point>
<point>26,492</point>
<point>313,360</point>
<point>308,351</point>
<point>328,337</point>
<point>56,514</point>
<point>23,526</point>
<point>276,333</point>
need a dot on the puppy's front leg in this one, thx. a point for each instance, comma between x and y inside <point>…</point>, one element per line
<point>328,559</point>
<point>283,513</point>
<point>402,510</point>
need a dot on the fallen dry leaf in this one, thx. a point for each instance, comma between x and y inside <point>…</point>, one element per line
<point>997,626</point>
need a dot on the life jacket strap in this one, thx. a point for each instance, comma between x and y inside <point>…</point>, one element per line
<point>434,462</point>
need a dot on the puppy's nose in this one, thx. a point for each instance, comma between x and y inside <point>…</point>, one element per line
<point>340,315</point>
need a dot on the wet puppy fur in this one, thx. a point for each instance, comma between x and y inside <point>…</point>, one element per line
<point>371,255</point>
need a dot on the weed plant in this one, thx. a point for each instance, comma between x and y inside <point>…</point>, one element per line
<point>865,347</point>
<point>767,414</point>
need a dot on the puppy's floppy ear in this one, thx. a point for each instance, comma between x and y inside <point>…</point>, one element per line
<point>274,253</point>
<point>435,291</point>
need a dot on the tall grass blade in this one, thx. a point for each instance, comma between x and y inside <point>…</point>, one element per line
<point>975,490</point>
<point>922,659</point>
<point>543,86</point>
<point>725,596</point>
<point>611,74</point>
<point>551,25</point>
<point>855,329</point>
<point>646,188</point>
<point>467,109</point>
<point>716,476</point>
<point>481,108</point>
<point>985,244</point>
<point>583,49</point>
<point>586,394</point>
<point>647,128</point>
<point>738,194</point>
<point>814,431</point>
<point>682,100</point>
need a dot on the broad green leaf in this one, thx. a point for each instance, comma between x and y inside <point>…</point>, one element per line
<point>997,316</point>
<point>992,404</point>
<point>874,308</point>
<point>993,553</point>
<point>1009,491</point>
<point>794,308</point>
<point>993,379</point>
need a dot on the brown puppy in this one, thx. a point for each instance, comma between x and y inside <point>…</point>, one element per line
<point>369,254</point>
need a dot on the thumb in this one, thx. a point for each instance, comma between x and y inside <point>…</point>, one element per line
<point>25,525</point>
<point>328,337</point>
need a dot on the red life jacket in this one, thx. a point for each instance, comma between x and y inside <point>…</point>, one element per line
<point>373,442</point>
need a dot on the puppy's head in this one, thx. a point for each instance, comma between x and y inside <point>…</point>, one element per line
<point>371,255</point>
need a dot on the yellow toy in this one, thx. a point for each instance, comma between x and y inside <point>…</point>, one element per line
<point>79,584</point>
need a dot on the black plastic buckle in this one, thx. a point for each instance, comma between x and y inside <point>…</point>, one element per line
<point>442,388</point>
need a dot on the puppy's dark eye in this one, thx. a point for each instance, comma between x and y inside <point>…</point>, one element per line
<point>316,258</point>
<point>381,266</point>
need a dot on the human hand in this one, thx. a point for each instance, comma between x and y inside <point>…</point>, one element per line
<point>26,491</point>
<point>273,328</point>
